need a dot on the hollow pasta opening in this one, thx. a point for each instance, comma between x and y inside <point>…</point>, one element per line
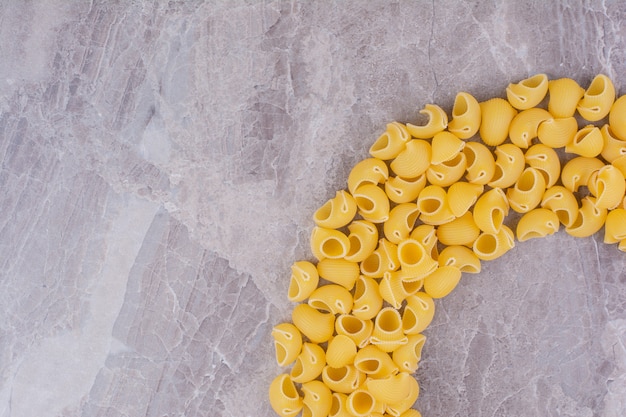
<point>381,143</point>
<point>351,325</point>
<point>365,204</point>
<point>498,174</point>
<point>289,389</point>
<point>429,205</point>
<point>411,253</point>
<point>470,156</point>
<point>533,82</point>
<point>355,245</point>
<point>563,216</point>
<point>369,366</point>
<point>371,264</point>
<point>526,181</point>
<point>409,319</point>
<point>323,213</point>
<point>306,411</point>
<point>321,305</point>
<point>454,161</point>
<point>332,248</point>
<point>362,403</point>
<point>597,87</point>
<point>281,352</point>
<point>297,369</point>
<point>388,321</point>
<point>411,287</point>
<point>359,290</point>
<point>497,217</point>
<point>486,243</point>
<point>460,106</point>
<point>294,289</point>
<point>336,374</point>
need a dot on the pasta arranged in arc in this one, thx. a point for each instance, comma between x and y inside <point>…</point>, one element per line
<point>430,204</point>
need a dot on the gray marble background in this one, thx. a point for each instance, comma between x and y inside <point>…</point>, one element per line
<point>160,163</point>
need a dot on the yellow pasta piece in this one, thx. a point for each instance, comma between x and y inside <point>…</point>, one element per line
<point>392,389</point>
<point>587,142</point>
<point>401,221</point>
<point>338,407</point>
<point>284,397</point>
<point>525,125</point>
<point>609,186</point>
<point>442,281</point>
<point>368,171</point>
<point>527,192</point>
<point>577,172</point>
<point>460,231</point>
<point>620,163</point>
<point>461,257</point>
<point>362,239</point>
<point>391,143</point>
<point>372,202</point>
<point>383,259</point>
<point>375,363</point>
<point>465,116</point>
<point>445,146</point>
<point>613,147</point>
<point>565,94</point>
<point>490,210</point>
<point>317,399</point>
<point>401,190</point>
<point>304,280</point>
<point>528,93</point>
<point>490,246</point>
<point>402,408</point>
<point>437,122</point>
<point>315,325</point>
<point>287,343</point>
<point>387,334</point>
<point>557,132</point>
<point>562,202</point>
<point>496,115</point>
<point>432,203</point>
<point>546,160</point>
<point>329,243</point>
<point>309,364</point>
<point>418,313</point>
<point>410,413</point>
<point>339,271</point>
<point>462,195</point>
<point>480,163</point>
<point>615,226</point>
<point>336,212</point>
<point>598,99</point>
<point>394,289</point>
<point>536,223</point>
<point>367,298</point>
<point>427,236</point>
<point>361,403</point>
<point>622,245</point>
<point>447,172</point>
<point>509,166</point>
<point>617,118</point>
<point>407,357</point>
<point>414,160</point>
<point>341,351</point>
<point>590,219</point>
<point>414,259</point>
<point>331,298</point>
<point>345,379</point>
<point>357,329</point>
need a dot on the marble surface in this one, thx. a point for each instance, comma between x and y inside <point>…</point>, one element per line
<point>160,162</point>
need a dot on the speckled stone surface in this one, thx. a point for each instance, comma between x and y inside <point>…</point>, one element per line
<point>160,163</point>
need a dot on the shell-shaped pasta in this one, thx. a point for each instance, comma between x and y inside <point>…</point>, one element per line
<point>590,219</point>
<point>317,399</point>
<point>395,290</point>
<point>525,125</point>
<point>617,118</point>
<point>403,407</point>
<point>407,357</point>
<point>609,187</point>
<point>390,390</point>
<point>462,195</point>
<point>304,280</point>
<point>357,329</point>
<point>391,142</point>
<point>461,257</point>
<point>400,190</point>
<point>445,146</point>
<point>565,94</point>
<point>284,397</point>
<point>615,226</point>
<point>622,245</point>
<point>432,203</point>
<point>536,223</point>
<point>577,171</point>
<point>401,221</point>
<point>480,163</point>
<point>336,212</point>
<point>361,403</point>
<point>414,160</point>
<point>383,259</point>
<point>490,210</point>
<point>613,147</point>
<point>372,202</point>
<point>341,351</point>
<point>509,165</point>
<point>339,271</point>
<point>442,281</point>
<point>363,239</point>
<point>465,116</point>
<point>368,171</point>
<point>367,298</point>
<point>587,142</point>
<point>490,246</point>
<point>497,115</point>
<point>338,407</point>
<point>375,363</point>
<point>426,234</point>
<point>447,172</point>
<point>309,364</point>
<point>546,160</point>
<point>437,122</point>
<point>416,262</point>
<point>315,325</point>
<point>620,163</point>
<point>287,342</point>
<point>344,379</point>
<point>557,133</point>
<point>409,413</point>
<point>598,99</point>
<point>387,334</point>
<point>562,202</point>
<point>528,93</point>
<point>460,231</point>
<point>329,243</point>
<point>331,298</point>
<point>418,313</point>
<point>528,191</point>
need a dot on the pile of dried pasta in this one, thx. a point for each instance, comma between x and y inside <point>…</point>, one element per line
<point>427,206</point>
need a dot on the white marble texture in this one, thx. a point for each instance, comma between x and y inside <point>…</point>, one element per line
<point>160,162</point>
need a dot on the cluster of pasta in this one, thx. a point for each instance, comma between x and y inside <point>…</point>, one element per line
<point>427,206</point>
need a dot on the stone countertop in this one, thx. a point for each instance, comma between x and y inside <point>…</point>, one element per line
<point>161,161</point>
